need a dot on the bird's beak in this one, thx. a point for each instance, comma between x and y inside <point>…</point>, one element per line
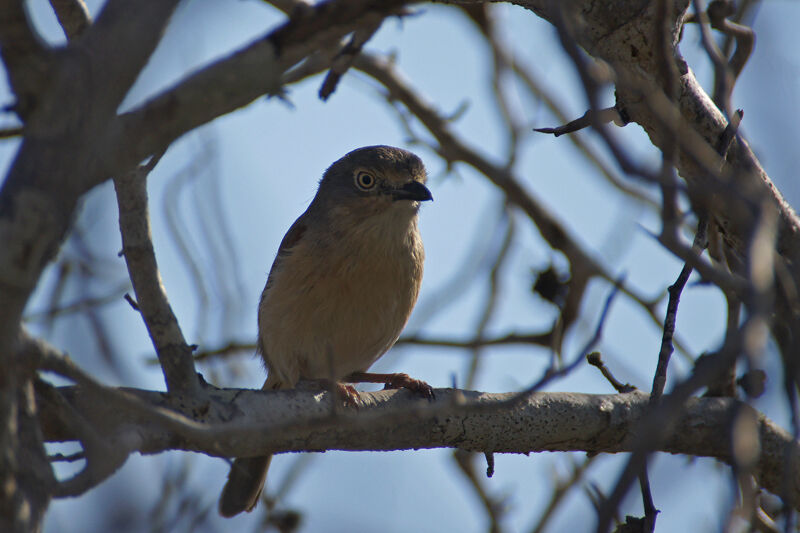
<point>413,190</point>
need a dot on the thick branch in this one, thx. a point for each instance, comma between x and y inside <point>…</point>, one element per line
<point>240,78</point>
<point>624,36</point>
<point>120,27</point>
<point>246,423</point>
<point>73,15</point>
<point>25,56</point>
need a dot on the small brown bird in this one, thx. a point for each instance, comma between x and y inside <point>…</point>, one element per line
<point>341,288</point>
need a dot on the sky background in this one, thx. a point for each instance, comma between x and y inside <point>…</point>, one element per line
<point>257,170</point>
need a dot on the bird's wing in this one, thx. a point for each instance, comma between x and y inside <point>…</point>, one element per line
<point>289,241</point>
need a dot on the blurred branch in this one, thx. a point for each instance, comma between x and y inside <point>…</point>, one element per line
<point>243,76</point>
<point>471,266</point>
<point>9,133</point>
<point>561,489</point>
<point>73,15</point>
<point>495,509</point>
<point>609,114</point>
<point>539,339</point>
<point>726,72</point>
<point>656,428</point>
<point>344,59</point>
<point>505,60</point>
<point>25,57</point>
<point>227,349</point>
<point>452,149</point>
<point>490,302</point>
<point>103,456</point>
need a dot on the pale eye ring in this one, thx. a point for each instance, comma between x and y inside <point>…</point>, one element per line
<point>365,181</point>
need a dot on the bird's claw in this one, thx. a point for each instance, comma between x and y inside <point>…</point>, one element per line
<point>349,395</point>
<point>404,381</point>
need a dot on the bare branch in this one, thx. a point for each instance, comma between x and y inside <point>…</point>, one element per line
<point>73,15</point>
<point>610,114</point>
<point>8,133</point>
<point>245,423</point>
<point>173,352</point>
<point>238,79</point>
<point>344,59</point>
<point>495,509</point>
<point>25,56</point>
<point>596,360</point>
<point>675,290</point>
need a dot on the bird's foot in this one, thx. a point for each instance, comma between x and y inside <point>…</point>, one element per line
<point>349,395</point>
<point>394,381</point>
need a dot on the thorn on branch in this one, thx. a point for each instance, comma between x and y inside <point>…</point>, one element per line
<point>9,133</point>
<point>132,302</point>
<point>489,463</point>
<point>729,133</point>
<point>596,360</point>
<point>344,59</point>
<point>58,457</point>
<point>753,383</point>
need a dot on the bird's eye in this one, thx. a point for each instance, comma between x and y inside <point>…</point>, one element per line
<point>365,181</point>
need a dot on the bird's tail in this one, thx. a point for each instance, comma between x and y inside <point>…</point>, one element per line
<point>247,476</point>
<point>245,482</point>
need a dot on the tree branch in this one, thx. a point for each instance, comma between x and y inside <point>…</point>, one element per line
<point>73,15</point>
<point>173,352</point>
<point>25,56</point>
<point>240,78</point>
<point>246,423</point>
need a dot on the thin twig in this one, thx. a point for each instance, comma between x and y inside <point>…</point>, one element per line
<point>344,59</point>
<point>10,133</point>
<point>606,115</point>
<point>73,16</point>
<point>675,290</point>
<point>561,489</point>
<point>595,359</point>
<point>650,511</point>
<point>494,508</point>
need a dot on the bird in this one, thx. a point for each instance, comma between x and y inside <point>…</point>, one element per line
<point>341,289</point>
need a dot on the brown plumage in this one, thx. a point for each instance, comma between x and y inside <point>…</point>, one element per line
<point>341,288</point>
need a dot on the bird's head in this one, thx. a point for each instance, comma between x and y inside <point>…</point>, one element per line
<point>374,180</point>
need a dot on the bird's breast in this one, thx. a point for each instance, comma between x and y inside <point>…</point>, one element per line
<point>334,306</point>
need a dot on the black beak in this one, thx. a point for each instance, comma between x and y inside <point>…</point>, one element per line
<point>412,190</point>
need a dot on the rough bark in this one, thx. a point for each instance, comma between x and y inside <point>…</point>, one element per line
<point>247,423</point>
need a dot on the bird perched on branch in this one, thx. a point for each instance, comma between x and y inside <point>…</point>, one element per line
<point>341,288</point>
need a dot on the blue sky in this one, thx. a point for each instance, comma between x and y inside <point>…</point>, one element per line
<point>259,167</point>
